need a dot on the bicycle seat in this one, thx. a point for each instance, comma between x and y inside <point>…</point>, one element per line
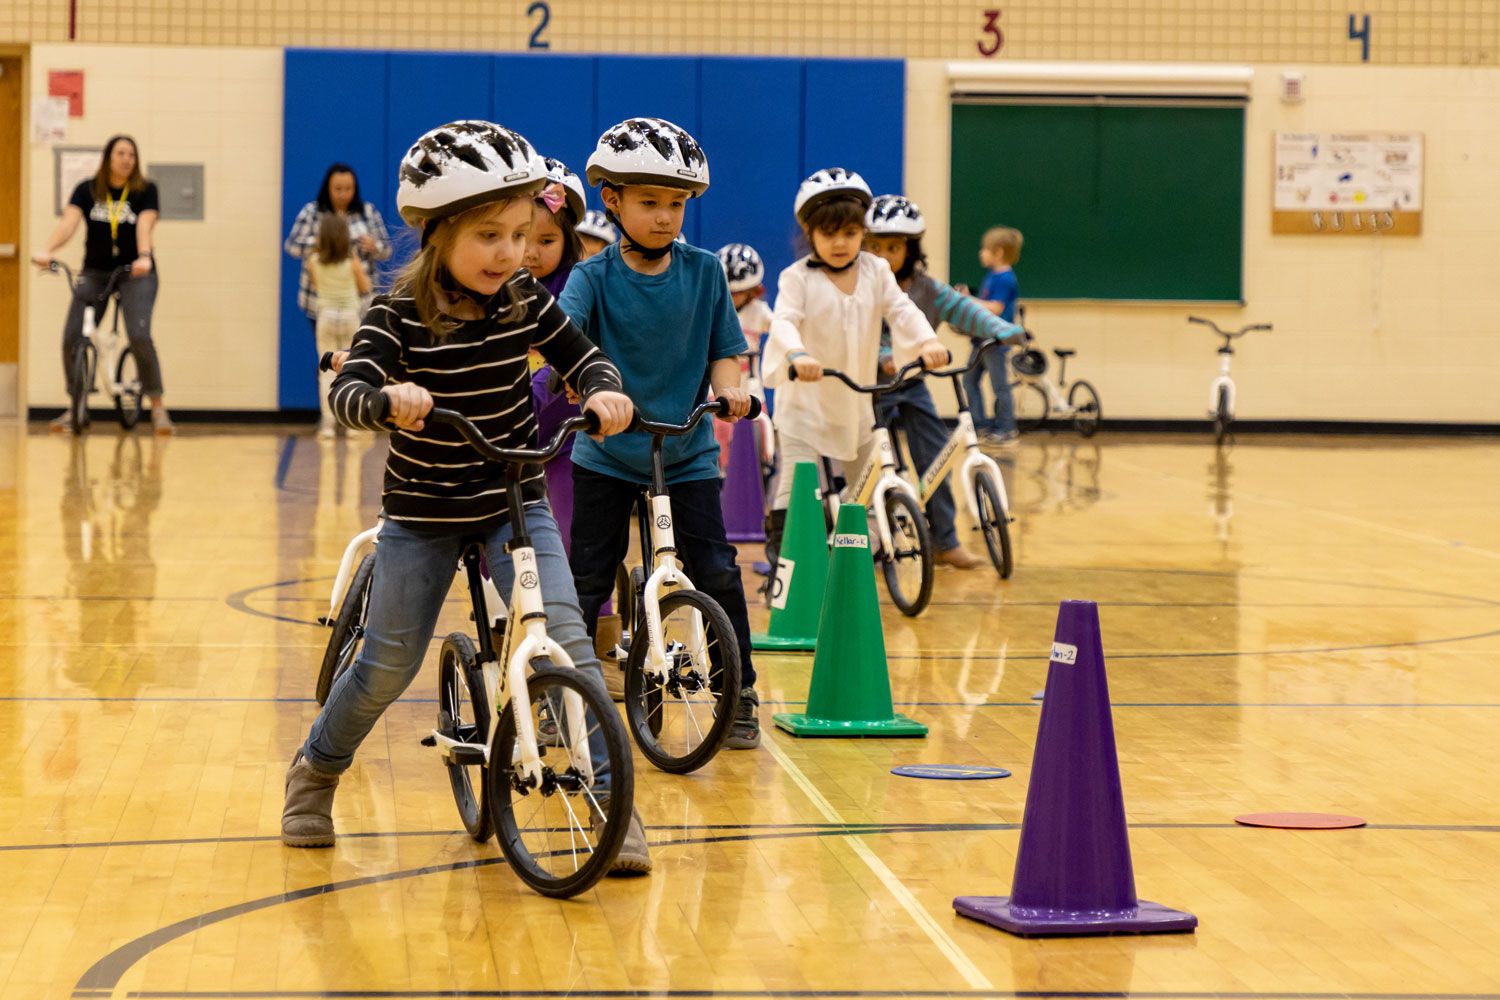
<point>1064,352</point>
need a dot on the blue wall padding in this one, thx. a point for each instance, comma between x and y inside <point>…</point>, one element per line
<point>765,123</point>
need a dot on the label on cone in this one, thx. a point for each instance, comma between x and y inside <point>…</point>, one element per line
<point>1064,653</point>
<point>850,542</point>
<point>782,583</point>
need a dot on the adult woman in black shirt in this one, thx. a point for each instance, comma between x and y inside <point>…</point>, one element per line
<point>121,207</point>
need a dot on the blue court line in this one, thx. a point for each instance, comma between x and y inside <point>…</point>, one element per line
<point>844,828</point>
<point>105,974</point>
<point>1029,703</point>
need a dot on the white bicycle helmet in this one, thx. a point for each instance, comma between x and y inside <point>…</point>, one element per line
<point>830,183</point>
<point>464,164</point>
<point>596,225</point>
<point>649,151</point>
<point>742,266</point>
<point>558,173</point>
<point>894,215</point>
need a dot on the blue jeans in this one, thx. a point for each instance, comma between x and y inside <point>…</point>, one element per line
<point>912,410</point>
<point>994,365</point>
<point>413,573</point>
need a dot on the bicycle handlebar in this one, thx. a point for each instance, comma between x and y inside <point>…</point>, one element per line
<point>110,287</point>
<point>903,376</point>
<point>973,363</point>
<point>716,407</point>
<point>1252,328</point>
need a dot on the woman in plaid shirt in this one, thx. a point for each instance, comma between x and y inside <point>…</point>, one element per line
<point>367,233</point>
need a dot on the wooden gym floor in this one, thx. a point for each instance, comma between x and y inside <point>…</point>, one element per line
<point>1303,624</point>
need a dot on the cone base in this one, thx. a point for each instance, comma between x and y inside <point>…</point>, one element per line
<point>1041,921</point>
<point>785,643</point>
<point>811,725</point>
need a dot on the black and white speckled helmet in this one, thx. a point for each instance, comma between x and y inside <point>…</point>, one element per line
<point>829,183</point>
<point>596,225</point>
<point>463,165</point>
<point>649,151</point>
<point>742,266</point>
<point>894,215</point>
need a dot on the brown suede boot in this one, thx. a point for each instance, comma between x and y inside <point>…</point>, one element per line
<point>307,816</point>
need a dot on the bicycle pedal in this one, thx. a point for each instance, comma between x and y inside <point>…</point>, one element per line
<point>325,620</point>
<point>466,756</point>
<point>429,740</point>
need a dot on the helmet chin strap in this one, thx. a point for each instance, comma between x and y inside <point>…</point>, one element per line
<point>817,263</point>
<point>628,243</point>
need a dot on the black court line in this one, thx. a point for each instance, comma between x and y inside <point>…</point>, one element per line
<point>912,826</point>
<point>669,994</point>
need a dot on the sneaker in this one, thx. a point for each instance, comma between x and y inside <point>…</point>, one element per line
<point>161,423</point>
<point>60,425</point>
<point>307,815</point>
<point>1000,439</point>
<point>958,557</point>
<point>635,856</point>
<point>744,733</point>
<point>326,431</point>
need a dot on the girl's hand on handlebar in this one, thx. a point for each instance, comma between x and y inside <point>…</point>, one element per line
<point>808,368</point>
<point>409,404</point>
<point>337,359</point>
<point>738,400</point>
<point>935,355</point>
<point>614,410</point>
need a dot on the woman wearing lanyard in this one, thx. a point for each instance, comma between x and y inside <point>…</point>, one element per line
<point>121,207</point>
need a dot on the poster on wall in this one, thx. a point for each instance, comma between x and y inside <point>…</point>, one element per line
<point>71,165</point>
<point>1348,183</point>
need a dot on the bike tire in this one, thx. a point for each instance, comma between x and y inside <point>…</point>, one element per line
<point>129,398</point>
<point>458,664</point>
<point>1084,401</point>
<point>994,524</point>
<point>1223,418</point>
<point>648,703</point>
<point>909,525</point>
<point>348,628</point>
<point>1031,406</point>
<point>505,790</point>
<point>80,383</point>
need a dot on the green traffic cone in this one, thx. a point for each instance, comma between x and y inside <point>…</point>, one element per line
<point>801,570</point>
<point>851,690</point>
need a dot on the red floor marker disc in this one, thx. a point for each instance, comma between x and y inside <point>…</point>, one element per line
<point>1300,821</point>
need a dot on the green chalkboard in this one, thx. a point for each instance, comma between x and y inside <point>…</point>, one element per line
<point>1115,199</point>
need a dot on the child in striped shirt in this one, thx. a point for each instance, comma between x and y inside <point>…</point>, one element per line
<point>455,330</point>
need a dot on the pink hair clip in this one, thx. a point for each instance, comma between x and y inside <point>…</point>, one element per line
<point>554,197</point>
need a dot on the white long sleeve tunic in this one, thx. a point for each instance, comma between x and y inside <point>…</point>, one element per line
<point>843,332</point>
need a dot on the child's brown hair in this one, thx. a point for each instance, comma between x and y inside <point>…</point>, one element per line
<point>1005,241</point>
<point>333,239</point>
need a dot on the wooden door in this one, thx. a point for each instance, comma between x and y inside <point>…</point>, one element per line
<point>11,145</point>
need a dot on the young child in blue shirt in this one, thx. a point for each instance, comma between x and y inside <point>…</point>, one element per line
<point>999,250</point>
<point>662,309</point>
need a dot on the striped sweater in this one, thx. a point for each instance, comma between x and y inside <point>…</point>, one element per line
<point>434,480</point>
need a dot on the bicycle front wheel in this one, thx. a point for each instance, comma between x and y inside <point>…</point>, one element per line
<point>908,559</point>
<point>80,384</point>
<point>348,628</point>
<point>1085,404</point>
<point>1031,406</point>
<point>128,395</point>
<point>464,716</point>
<point>562,832</point>
<point>994,524</point>
<point>681,720</point>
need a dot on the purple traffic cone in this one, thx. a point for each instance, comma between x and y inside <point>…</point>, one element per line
<point>1073,873</point>
<point>742,499</point>
<point>559,473</point>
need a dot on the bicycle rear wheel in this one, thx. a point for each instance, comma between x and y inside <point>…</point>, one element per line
<point>348,628</point>
<point>908,564</point>
<point>1031,406</point>
<point>1085,403</point>
<point>680,721</point>
<point>80,384</point>
<point>464,716</point>
<point>994,524</point>
<point>128,398</point>
<point>562,833</point>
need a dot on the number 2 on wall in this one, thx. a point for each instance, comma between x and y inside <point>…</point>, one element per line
<point>539,7</point>
<point>990,45</point>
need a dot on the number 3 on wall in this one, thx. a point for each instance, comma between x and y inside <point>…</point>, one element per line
<point>539,7</point>
<point>991,37</point>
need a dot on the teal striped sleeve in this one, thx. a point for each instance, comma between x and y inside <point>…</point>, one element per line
<point>969,317</point>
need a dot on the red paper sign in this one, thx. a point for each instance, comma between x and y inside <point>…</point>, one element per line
<point>67,83</point>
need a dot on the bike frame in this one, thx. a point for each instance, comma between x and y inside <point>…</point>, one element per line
<point>1224,381</point>
<point>969,462</point>
<point>876,479</point>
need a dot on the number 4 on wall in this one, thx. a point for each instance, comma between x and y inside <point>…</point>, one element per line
<point>1362,35</point>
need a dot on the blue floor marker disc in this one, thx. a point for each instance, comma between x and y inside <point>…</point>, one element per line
<point>950,772</point>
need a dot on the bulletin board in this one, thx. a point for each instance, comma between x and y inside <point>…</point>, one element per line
<point>1348,183</point>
